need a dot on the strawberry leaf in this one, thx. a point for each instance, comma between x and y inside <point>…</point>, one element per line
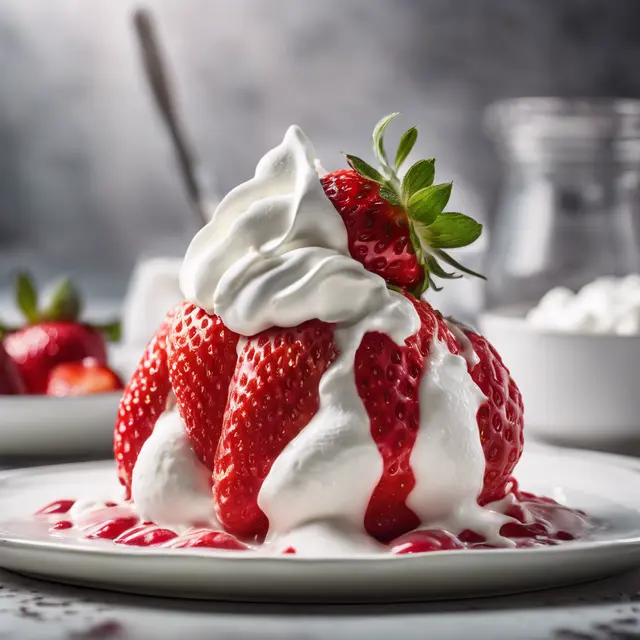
<point>389,195</point>
<point>419,176</point>
<point>27,297</point>
<point>437,270</point>
<point>65,303</point>
<point>364,169</point>
<point>453,230</point>
<point>445,257</point>
<point>426,205</point>
<point>111,330</point>
<point>378,138</point>
<point>405,146</point>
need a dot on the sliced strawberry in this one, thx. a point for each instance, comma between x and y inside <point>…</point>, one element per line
<point>142,403</point>
<point>500,418</point>
<point>11,382</point>
<point>273,395</point>
<point>388,379</point>
<point>202,358</point>
<point>82,378</point>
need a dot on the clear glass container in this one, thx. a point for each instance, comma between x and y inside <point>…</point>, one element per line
<point>569,208</point>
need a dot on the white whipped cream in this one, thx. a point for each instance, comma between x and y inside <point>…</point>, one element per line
<point>606,305</point>
<point>447,458</point>
<point>275,253</point>
<point>169,485</point>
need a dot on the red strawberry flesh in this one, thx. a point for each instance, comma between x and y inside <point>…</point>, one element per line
<point>377,231</point>
<point>273,396</point>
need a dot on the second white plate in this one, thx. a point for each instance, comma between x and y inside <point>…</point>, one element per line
<point>45,426</point>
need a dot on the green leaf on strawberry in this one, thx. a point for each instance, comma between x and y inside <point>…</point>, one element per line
<point>407,141</point>
<point>65,303</point>
<point>453,230</point>
<point>364,169</point>
<point>431,229</point>
<point>426,205</point>
<point>27,297</point>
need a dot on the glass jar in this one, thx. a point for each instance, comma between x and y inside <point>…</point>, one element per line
<point>570,203</point>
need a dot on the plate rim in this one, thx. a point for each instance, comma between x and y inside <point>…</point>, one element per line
<point>75,549</point>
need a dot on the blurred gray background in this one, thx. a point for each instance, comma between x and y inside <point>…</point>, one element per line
<point>87,177</point>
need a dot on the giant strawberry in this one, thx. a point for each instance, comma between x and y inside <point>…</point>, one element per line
<point>398,228</point>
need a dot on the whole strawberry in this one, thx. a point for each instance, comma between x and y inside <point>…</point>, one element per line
<point>398,228</point>
<point>11,382</point>
<point>52,336</point>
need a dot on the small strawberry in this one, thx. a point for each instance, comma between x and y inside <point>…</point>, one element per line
<point>201,358</point>
<point>143,401</point>
<point>398,228</point>
<point>11,382</point>
<point>53,335</point>
<point>81,379</point>
<point>273,396</point>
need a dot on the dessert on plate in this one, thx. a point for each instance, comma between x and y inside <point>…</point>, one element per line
<point>54,353</point>
<point>304,399</point>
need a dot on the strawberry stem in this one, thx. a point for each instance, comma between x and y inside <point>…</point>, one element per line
<point>431,228</point>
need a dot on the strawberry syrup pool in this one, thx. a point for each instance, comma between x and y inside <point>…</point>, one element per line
<point>535,522</point>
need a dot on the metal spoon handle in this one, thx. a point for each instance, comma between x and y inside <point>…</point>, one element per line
<point>157,76</point>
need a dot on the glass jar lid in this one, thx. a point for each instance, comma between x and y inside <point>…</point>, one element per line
<point>535,129</point>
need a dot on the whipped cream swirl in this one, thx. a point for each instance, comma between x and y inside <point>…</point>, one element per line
<point>275,254</point>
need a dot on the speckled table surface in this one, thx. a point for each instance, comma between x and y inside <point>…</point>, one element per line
<point>604,610</point>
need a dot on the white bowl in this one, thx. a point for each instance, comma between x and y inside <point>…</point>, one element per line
<point>45,426</point>
<point>581,389</point>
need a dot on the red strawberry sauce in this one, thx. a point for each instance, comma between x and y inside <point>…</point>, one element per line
<point>537,521</point>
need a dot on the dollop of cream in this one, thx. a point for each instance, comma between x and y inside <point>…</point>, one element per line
<point>170,486</point>
<point>447,458</point>
<point>606,305</point>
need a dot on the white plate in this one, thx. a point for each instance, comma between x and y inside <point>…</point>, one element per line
<point>607,487</point>
<point>42,425</point>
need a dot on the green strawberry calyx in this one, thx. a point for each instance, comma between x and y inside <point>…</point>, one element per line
<point>431,228</point>
<point>64,305</point>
